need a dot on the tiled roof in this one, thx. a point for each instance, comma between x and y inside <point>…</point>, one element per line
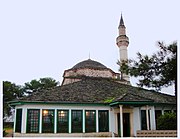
<point>98,90</point>
<point>89,64</point>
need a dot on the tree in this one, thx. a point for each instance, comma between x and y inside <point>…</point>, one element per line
<point>156,71</point>
<point>48,82</point>
<point>11,91</point>
<point>42,83</point>
<point>168,121</point>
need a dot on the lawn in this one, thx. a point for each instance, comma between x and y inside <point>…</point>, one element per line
<point>8,132</point>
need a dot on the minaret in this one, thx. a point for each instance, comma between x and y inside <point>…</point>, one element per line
<point>122,42</point>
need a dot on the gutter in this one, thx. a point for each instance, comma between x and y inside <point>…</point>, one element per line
<point>139,103</point>
<point>14,103</point>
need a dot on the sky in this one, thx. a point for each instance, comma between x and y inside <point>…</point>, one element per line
<point>42,38</point>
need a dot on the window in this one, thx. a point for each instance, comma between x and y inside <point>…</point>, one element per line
<point>103,120</point>
<point>62,121</point>
<point>90,121</point>
<point>76,121</point>
<point>158,113</point>
<point>48,121</point>
<point>144,120</point>
<point>33,121</point>
<point>18,120</point>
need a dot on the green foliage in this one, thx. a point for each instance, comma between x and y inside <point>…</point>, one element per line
<point>10,91</point>
<point>42,83</point>
<point>168,121</point>
<point>157,70</point>
<point>32,86</point>
<point>109,100</point>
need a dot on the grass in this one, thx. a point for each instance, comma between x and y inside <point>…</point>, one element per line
<point>8,131</point>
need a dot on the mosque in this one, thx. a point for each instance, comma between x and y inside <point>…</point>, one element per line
<point>92,101</point>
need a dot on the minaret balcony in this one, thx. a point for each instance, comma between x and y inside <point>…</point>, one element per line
<point>122,40</point>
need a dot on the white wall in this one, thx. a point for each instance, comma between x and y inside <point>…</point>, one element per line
<point>112,114</point>
<point>64,107</point>
<point>136,120</point>
<point>112,120</point>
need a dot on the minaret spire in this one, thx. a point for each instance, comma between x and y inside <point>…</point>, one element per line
<point>89,56</point>
<point>122,42</point>
<point>121,23</point>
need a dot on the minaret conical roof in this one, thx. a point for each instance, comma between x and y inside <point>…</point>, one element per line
<point>121,21</point>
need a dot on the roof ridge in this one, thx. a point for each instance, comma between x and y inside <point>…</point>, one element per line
<point>130,93</point>
<point>140,96</point>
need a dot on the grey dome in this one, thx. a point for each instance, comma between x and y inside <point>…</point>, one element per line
<point>89,64</point>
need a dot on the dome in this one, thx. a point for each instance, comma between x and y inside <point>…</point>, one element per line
<point>89,64</point>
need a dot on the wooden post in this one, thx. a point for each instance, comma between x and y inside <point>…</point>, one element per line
<point>70,121</point>
<point>147,117</point>
<point>97,124</point>
<point>84,121</point>
<point>121,120</point>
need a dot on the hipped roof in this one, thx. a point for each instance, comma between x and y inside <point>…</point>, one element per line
<point>98,90</point>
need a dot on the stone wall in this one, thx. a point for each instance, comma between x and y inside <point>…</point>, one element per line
<point>91,73</point>
<point>100,134</point>
<point>70,80</point>
<point>157,133</point>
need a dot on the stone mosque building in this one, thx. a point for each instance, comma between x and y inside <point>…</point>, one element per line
<point>92,101</point>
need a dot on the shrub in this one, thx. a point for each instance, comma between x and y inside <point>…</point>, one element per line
<point>168,121</point>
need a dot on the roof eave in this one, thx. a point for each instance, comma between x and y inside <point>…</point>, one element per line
<point>14,103</point>
<point>134,103</point>
<point>139,103</point>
